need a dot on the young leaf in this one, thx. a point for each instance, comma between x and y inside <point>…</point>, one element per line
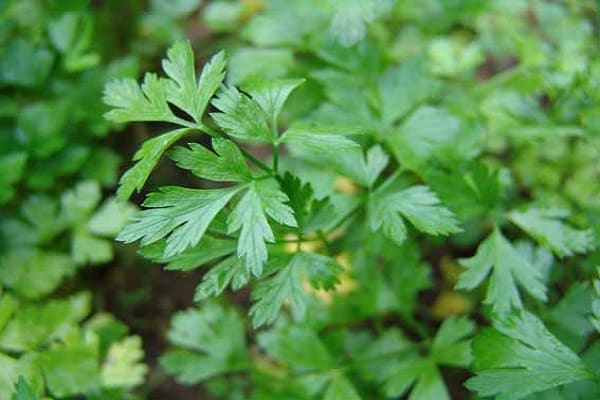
<point>418,204</point>
<point>520,357</point>
<point>286,285</point>
<point>312,143</point>
<point>497,257</point>
<point>211,341</point>
<point>271,95</point>
<point>310,213</point>
<point>123,366</point>
<point>132,103</point>
<point>183,90</point>
<point>24,391</point>
<point>181,213</point>
<point>228,272</point>
<point>227,165</point>
<point>250,216</point>
<point>241,117</point>
<point>546,227</point>
<point>147,157</point>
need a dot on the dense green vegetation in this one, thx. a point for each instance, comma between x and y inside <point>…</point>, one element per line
<point>374,199</point>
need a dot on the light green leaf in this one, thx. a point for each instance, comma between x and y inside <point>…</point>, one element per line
<point>287,286</point>
<point>520,357</point>
<point>350,19</point>
<point>183,90</point>
<point>404,87</point>
<point>228,272</point>
<point>110,218</point>
<point>147,157</point>
<point>124,365</point>
<point>211,341</point>
<point>227,165</point>
<point>418,204</point>
<point>271,95</point>
<point>241,117</point>
<point>180,214</point>
<point>309,142</point>
<point>71,370</point>
<point>250,216</point>
<point>423,133</point>
<point>546,226</point>
<point>132,103</point>
<point>497,257</point>
<point>87,249</point>
<point>37,325</point>
<point>376,161</point>
<point>298,347</point>
<point>34,273</point>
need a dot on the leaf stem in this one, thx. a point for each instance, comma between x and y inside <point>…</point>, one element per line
<point>276,157</point>
<point>346,217</point>
<point>246,154</point>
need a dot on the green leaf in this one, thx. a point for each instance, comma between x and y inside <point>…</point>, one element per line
<point>147,157</point>
<point>110,218</point>
<point>131,102</point>
<point>227,165</point>
<point>418,204</point>
<point>78,203</point>
<point>545,226</point>
<point>287,286</point>
<point>449,347</point>
<point>34,273</point>
<point>340,388</point>
<point>351,17</point>
<point>241,117</point>
<point>306,141</point>
<point>180,214</point>
<point>211,341</point>
<point>71,370</point>
<point>38,325</point>
<point>375,163</point>
<point>520,357</point>
<point>272,94</point>
<point>24,64</point>
<point>310,213</point>
<point>404,87</point>
<point>205,251</point>
<point>183,91</point>
<point>298,347</point>
<point>124,365</point>
<point>13,165</point>
<point>497,257</point>
<point>262,198</point>
<point>87,249</point>
<point>426,130</point>
<point>228,272</point>
<point>24,391</point>
<point>336,152</point>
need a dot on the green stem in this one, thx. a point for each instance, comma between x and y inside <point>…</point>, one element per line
<point>346,217</point>
<point>246,154</point>
<point>326,243</point>
<point>276,157</point>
